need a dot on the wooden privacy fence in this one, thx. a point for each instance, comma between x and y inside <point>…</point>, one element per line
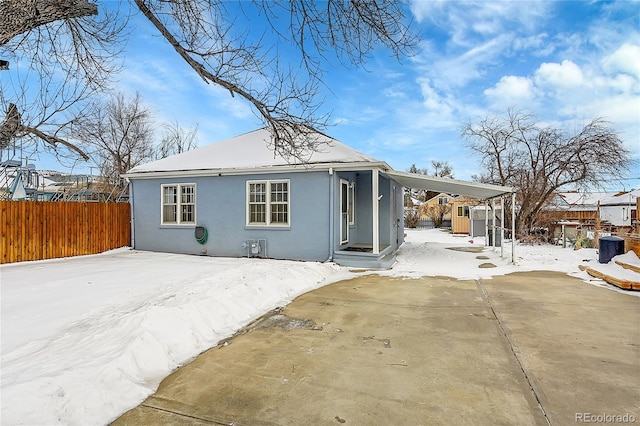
<point>37,230</point>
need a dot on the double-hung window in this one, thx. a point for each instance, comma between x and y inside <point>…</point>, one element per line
<point>179,204</point>
<point>268,202</point>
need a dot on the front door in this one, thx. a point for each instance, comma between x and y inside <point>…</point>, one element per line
<point>344,211</point>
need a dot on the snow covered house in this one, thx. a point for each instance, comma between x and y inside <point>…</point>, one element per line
<point>620,209</point>
<point>238,198</point>
<point>614,209</point>
<point>574,206</point>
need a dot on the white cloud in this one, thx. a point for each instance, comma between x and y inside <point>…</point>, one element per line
<point>537,45</point>
<point>458,70</point>
<point>625,59</point>
<point>467,20</point>
<point>397,91</point>
<point>423,10</point>
<point>438,109</point>
<point>511,90</point>
<point>559,76</point>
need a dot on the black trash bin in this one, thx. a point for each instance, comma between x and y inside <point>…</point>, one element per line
<point>609,247</point>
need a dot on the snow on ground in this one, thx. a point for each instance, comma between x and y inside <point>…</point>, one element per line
<point>426,252</point>
<point>84,339</point>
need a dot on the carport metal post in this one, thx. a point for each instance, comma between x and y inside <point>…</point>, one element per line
<point>513,228</point>
<point>486,222</point>
<point>501,226</point>
<point>375,209</point>
<point>493,222</point>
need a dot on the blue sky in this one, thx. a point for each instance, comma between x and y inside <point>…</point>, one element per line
<point>567,62</point>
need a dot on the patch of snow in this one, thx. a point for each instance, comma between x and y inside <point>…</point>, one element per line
<point>85,339</point>
<point>630,258</point>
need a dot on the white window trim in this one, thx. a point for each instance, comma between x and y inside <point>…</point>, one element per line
<point>268,223</point>
<point>178,221</point>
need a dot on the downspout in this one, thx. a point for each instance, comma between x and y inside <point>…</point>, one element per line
<point>331,213</point>
<point>133,221</point>
<point>513,228</point>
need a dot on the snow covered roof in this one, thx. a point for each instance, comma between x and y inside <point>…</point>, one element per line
<point>584,198</point>
<point>250,151</point>
<point>442,194</point>
<point>589,201</point>
<point>622,198</point>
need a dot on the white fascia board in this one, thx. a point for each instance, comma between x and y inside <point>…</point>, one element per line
<point>382,166</point>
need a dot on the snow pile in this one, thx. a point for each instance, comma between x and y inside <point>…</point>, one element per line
<point>629,272</point>
<point>85,339</point>
<point>630,258</point>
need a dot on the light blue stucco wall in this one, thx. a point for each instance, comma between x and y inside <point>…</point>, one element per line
<point>221,208</point>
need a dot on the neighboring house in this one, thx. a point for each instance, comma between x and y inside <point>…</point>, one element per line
<point>19,182</point>
<point>576,206</point>
<point>441,199</point>
<point>620,209</point>
<point>613,209</point>
<point>435,206</point>
<point>237,198</point>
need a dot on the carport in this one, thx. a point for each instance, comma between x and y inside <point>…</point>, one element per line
<point>483,191</point>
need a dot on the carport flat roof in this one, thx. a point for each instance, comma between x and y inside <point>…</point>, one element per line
<point>449,186</point>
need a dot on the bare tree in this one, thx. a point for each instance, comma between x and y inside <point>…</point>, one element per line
<point>436,213</point>
<point>414,169</point>
<point>119,136</point>
<point>176,140</point>
<point>418,194</point>
<point>211,38</point>
<point>538,161</point>
<point>63,55</point>
<point>442,169</point>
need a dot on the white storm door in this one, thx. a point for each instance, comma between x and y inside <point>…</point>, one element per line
<point>344,211</point>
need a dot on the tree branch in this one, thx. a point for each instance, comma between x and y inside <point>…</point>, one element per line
<point>53,140</point>
<point>18,17</point>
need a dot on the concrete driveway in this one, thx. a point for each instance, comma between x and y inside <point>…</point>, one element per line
<point>528,349</point>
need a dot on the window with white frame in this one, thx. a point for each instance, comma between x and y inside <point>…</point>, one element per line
<point>268,202</point>
<point>179,204</point>
<point>443,200</point>
<point>463,211</point>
